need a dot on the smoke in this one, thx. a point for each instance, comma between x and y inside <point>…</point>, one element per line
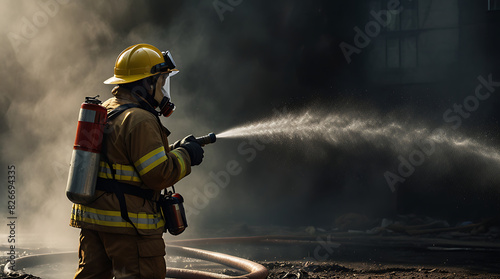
<point>57,52</point>
<point>262,58</point>
<point>50,67</point>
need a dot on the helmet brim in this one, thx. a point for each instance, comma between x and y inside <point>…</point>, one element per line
<point>125,79</point>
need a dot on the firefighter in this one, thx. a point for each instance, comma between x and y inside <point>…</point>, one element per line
<point>121,229</point>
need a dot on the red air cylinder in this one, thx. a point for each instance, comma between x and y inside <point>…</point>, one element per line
<point>174,214</point>
<point>86,151</point>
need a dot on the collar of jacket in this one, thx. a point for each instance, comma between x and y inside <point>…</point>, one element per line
<point>125,94</point>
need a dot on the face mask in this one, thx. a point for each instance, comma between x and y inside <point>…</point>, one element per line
<point>165,90</point>
<point>166,106</point>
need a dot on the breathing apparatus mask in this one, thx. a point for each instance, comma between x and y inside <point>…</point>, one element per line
<point>167,70</point>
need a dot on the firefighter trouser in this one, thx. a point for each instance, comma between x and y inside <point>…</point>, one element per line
<point>104,255</point>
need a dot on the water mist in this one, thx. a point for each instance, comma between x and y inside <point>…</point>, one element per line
<point>345,131</point>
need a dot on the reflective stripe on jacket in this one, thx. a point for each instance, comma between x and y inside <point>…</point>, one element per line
<point>122,172</point>
<point>112,218</point>
<point>136,145</point>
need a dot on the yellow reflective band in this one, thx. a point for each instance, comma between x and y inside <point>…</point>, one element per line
<point>122,172</point>
<point>113,218</point>
<point>182,164</point>
<point>151,160</point>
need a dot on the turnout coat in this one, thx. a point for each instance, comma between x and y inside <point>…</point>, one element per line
<point>137,148</point>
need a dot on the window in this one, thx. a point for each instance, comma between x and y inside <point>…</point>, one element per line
<point>401,36</point>
<point>401,52</point>
<point>406,18</point>
<point>409,52</point>
<point>493,5</point>
<point>392,53</point>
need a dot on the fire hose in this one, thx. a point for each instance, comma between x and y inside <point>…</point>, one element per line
<point>255,270</point>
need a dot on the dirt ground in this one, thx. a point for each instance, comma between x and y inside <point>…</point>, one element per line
<point>395,257</point>
<point>320,270</point>
<point>352,255</point>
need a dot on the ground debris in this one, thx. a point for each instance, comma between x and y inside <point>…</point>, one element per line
<point>15,275</point>
<point>230,272</point>
<point>300,269</point>
<point>330,269</point>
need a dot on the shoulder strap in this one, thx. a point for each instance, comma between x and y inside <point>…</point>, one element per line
<point>117,111</point>
<point>113,186</point>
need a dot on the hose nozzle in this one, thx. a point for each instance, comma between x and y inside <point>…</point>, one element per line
<point>203,140</point>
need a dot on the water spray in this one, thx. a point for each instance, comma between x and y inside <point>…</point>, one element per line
<point>347,130</point>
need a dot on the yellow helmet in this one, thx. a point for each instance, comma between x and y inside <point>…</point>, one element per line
<point>136,62</point>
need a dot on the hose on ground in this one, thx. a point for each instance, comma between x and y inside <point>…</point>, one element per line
<point>254,270</point>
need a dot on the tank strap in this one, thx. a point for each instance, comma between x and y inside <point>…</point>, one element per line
<point>113,185</point>
<point>117,111</point>
<point>119,189</point>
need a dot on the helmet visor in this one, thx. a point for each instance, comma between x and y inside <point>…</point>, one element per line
<point>165,90</point>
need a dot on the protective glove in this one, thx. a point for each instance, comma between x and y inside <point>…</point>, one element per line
<point>183,141</point>
<point>194,150</point>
